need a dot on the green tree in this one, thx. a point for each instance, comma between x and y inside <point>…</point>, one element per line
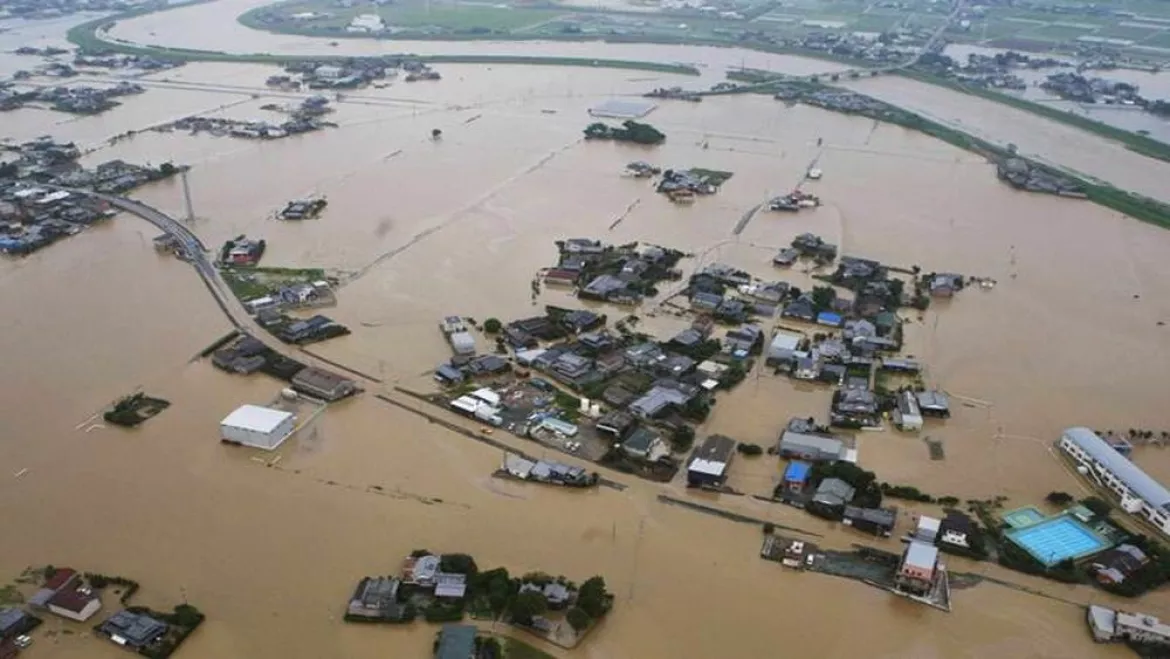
<point>492,325</point>
<point>187,616</point>
<point>1059,498</point>
<point>528,604</point>
<point>458,564</point>
<point>823,297</point>
<point>593,598</point>
<point>682,438</point>
<point>578,619</point>
<point>1099,506</point>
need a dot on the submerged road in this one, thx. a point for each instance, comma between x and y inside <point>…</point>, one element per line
<point>197,254</point>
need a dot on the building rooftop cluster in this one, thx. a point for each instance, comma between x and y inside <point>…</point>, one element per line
<point>351,73</point>
<point>58,8</point>
<point>245,355</point>
<point>34,212</point>
<point>544,471</point>
<point>255,130</point>
<point>75,99</point>
<point>617,274</point>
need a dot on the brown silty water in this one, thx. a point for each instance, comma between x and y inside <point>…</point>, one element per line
<point>459,226</point>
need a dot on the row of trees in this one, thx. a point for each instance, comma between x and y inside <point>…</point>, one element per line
<point>630,131</point>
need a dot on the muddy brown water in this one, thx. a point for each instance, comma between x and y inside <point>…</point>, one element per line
<point>460,226</point>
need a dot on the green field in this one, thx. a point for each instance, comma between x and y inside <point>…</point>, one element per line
<point>1054,33</point>
<point>1137,34</point>
<point>465,17</point>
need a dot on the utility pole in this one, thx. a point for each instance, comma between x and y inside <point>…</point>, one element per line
<point>187,197</point>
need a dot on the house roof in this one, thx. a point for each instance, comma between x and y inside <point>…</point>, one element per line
<point>1150,490</point>
<point>935,400</point>
<point>71,599</point>
<point>882,516</point>
<point>62,576</point>
<point>799,442</point>
<point>797,471</point>
<point>712,456</point>
<point>256,418</point>
<point>785,341</point>
<point>449,584</point>
<point>10,618</point>
<point>641,440</point>
<point>921,555</point>
<point>834,490</point>
<point>137,628</point>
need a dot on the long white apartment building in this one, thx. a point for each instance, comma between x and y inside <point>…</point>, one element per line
<point>1140,494</point>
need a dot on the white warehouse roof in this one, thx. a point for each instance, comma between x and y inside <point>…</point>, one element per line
<point>256,418</point>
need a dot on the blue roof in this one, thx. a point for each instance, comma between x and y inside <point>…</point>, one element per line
<point>828,317</point>
<point>797,471</point>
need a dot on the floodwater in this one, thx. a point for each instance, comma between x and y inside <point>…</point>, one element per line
<point>1153,86</point>
<point>458,226</point>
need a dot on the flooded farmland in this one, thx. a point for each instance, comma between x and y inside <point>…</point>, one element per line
<point>422,228</point>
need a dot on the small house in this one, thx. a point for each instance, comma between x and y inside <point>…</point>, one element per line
<point>934,403</point>
<point>133,630</point>
<point>1118,564</point>
<point>927,529</point>
<point>709,462</point>
<point>916,573</point>
<point>810,447</point>
<point>907,416</point>
<point>877,521</point>
<point>956,531</point>
<point>615,422</point>
<point>796,476</point>
<point>831,498</point>
<point>829,319</point>
<point>645,444</point>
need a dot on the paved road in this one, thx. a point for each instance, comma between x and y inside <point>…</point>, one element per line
<point>197,254</point>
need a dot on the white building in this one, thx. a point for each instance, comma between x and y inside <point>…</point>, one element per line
<point>907,416</point>
<point>259,427</point>
<point>1140,495</point>
<point>366,23</point>
<point>1108,625</point>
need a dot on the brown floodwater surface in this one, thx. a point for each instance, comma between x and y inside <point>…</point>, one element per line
<point>422,229</point>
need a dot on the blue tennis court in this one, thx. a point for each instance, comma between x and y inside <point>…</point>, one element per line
<point>1054,540</point>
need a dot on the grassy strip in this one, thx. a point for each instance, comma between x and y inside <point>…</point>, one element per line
<point>85,36</point>
<point>1136,206</point>
<point>1140,144</point>
<point>516,649</point>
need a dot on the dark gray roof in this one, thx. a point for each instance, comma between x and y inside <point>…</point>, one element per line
<point>136,628</point>
<point>10,618</point>
<point>834,491</point>
<point>883,516</point>
<point>1150,490</point>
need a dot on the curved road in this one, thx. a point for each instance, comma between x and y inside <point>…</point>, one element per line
<point>197,254</point>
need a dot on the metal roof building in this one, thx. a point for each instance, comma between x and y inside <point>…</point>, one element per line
<point>261,427</point>
<point>708,464</point>
<point>1139,493</point>
<point>816,448</point>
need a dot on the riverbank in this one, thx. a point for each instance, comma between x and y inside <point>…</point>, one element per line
<point>88,38</point>
<point>1140,144</point>
<point>799,91</point>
